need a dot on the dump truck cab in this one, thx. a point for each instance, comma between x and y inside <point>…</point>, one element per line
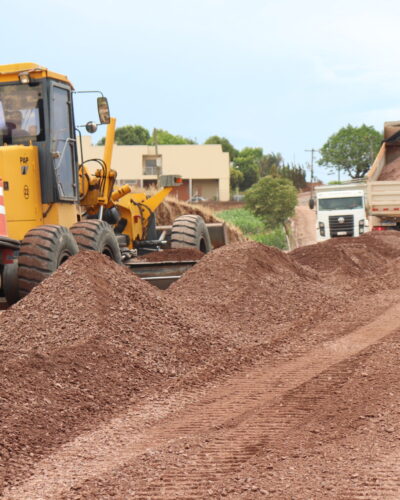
<point>340,211</point>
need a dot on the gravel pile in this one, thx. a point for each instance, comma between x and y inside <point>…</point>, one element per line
<point>172,254</point>
<point>93,338</point>
<point>87,340</point>
<point>351,256</point>
<point>391,171</point>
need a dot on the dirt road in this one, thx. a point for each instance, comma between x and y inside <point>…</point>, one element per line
<point>303,223</point>
<point>255,417</point>
<point>286,385</point>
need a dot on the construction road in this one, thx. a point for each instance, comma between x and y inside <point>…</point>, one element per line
<point>200,449</point>
<point>290,387</point>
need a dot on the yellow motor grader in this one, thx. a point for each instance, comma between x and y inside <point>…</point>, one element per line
<point>52,205</point>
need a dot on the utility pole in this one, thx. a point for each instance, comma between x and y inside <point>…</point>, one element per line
<point>312,151</point>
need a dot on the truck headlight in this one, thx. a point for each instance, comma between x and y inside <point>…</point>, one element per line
<point>321,226</point>
<point>361,225</point>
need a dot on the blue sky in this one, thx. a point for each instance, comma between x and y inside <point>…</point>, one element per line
<point>283,75</point>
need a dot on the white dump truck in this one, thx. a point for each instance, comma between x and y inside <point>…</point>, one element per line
<point>340,210</point>
<point>351,209</point>
<point>383,182</point>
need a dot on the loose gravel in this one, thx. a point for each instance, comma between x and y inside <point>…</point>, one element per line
<point>93,340</point>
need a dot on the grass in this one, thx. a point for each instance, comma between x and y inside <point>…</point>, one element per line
<point>254,228</point>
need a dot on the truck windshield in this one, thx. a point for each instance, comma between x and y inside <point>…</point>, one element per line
<point>350,203</point>
<point>19,113</point>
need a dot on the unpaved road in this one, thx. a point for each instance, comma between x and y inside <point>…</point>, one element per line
<point>303,223</point>
<point>260,374</point>
<point>197,446</point>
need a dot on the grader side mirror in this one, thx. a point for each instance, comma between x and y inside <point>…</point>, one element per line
<point>91,127</point>
<point>104,110</point>
<point>311,203</point>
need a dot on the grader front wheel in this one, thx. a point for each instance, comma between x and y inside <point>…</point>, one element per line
<point>42,251</point>
<point>97,235</point>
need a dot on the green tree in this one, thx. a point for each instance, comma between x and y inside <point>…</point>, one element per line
<point>129,135</point>
<point>253,154</point>
<point>226,145</point>
<point>165,137</point>
<point>250,175</point>
<point>236,177</point>
<point>351,149</point>
<point>273,199</point>
<point>296,173</point>
<point>270,164</point>
<point>248,162</point>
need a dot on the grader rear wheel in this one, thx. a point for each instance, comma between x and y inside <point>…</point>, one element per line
<point>190,231</point>
<point>10,282</point>
<point>97,235</point>
<point>42,251</point>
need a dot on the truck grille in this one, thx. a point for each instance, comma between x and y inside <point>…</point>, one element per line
<point>339,224</point>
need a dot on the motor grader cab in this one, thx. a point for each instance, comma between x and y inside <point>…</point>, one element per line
<point>51,206</point>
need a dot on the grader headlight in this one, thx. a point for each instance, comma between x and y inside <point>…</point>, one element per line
<point>24,77</point>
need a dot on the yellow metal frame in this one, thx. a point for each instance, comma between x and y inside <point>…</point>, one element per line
<point>10,72</point>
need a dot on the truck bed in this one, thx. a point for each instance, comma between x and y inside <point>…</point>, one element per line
<point>383,196</point>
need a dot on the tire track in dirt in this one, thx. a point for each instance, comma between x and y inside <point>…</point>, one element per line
<point>247,408</point>
<point>383,482</point>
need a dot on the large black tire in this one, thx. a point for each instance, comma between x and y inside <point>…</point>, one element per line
<point>97,235</point>
<point>10,282</point>
<point>42,251</point>
<point>190,231</point>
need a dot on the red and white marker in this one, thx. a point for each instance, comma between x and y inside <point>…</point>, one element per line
<point>3,221</point>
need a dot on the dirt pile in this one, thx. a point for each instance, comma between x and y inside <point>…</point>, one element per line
<point>258,295</point>
<point>391,171</point>
<point>93,338</point>
<point>172,208</point>
<point>249,289</point>
<point>367,254</point>
<point>172,254</point>
<point>84,342</point>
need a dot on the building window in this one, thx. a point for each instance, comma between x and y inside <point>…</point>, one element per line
<point>152,165</point>
<point>131,182</point>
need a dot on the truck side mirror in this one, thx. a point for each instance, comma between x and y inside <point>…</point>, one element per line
<point>311,203</point>
<point>104,110</point>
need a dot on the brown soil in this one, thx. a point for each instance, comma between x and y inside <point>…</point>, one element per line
<point>172,254</point>
<point>217,206</point>
<point>258,374</point>
<point>304,222</point>
<point>172,208</point>
<point>391,171</point>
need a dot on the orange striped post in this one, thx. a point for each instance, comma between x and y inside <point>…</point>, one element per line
<point>3,221</point>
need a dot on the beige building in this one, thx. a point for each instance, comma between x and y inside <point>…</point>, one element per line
<point>204,168</point>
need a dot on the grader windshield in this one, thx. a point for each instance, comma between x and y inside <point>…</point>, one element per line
<point>20,113</point>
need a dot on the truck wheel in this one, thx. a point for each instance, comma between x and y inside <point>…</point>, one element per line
<point>42,251</point>
<point>190,231</point>
<point>10,282</point>
<point>97,235</point>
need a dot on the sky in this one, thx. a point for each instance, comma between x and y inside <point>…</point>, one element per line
<point>282,75</point>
